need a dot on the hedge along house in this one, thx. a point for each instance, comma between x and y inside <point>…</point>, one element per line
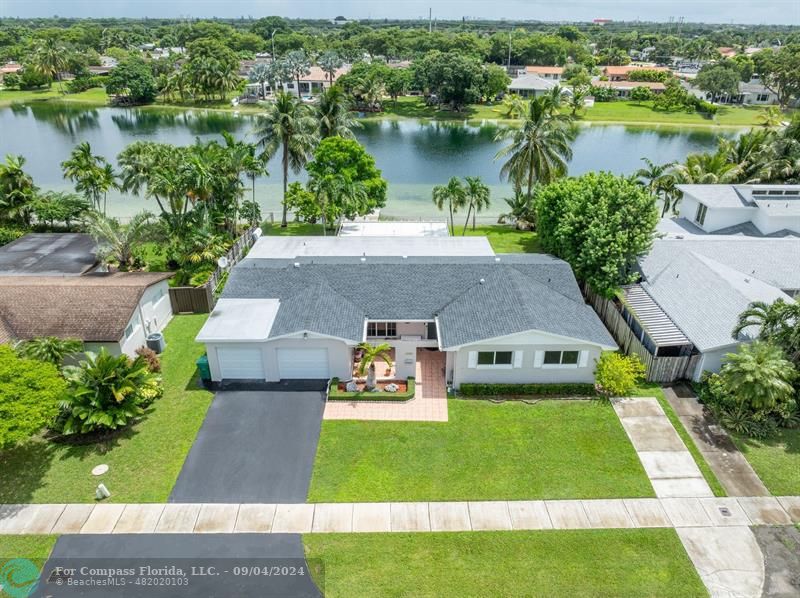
<point>297,307</point>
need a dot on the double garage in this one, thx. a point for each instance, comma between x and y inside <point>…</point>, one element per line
<point>284,359</point>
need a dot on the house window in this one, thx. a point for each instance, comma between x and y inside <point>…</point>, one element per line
<point>494,358</point>
<point>762,97</point>
<point>561,357</point>
<point>129,330</point>
<point>385,329</point>
<point>700,215</point>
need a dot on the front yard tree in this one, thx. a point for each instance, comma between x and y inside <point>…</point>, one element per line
<point>133,80</point>
<point>29,395</point>
<point>298,65</point>
<point>600,224</point>
<point>779,71</point>
<point>453,195</point>
<point>718,79</point>
<point>759,376</point>
<point>455,79</point>
<point>372,353</point>
<point>17,190</point>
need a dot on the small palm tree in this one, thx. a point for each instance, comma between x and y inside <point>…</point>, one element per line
<point>117,242</point>
<point>477,199</point>
<point>706,169</point>
<point>520,212</point>
<point>50,349</point>
<point>371,353</point>
<point>513,106</point>
<point>759,376</point>
<point>298,64</point>
<point>771,117</point>
<point>262,74</point>
<point>658,180</point>
<point>453,195</point>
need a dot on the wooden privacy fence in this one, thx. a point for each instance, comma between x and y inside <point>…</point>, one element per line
<point>201,300</point>
<point>659,369</point>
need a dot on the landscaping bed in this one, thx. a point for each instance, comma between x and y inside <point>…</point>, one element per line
<point>486,451</point>
<point>405,391</point>
<point>527,390</point>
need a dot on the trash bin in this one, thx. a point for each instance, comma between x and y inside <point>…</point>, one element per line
<point>202,366</point>
<point>156,342</point>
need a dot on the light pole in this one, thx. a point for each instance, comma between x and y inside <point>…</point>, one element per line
<point>272,39</point>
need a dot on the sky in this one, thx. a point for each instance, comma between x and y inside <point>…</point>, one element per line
<point>710,11</point>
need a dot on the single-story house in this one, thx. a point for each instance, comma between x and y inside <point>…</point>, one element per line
<point>623,89</point>
<point>112,310</point>
<point>751,93</point>
<point>297,308</point>
<point>693,289</point>
<point>766,210</point>
<point>310,84</point>
<point>529,86</point>
<point>10,68</point>
<point>545,72</point>
<point>623,73</point>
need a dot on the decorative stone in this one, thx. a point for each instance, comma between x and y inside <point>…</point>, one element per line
<point>100,469</point>
<point>392,387</point>
<point>351,387</point>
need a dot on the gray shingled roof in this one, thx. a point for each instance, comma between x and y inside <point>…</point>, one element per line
<point>519,293</point>
<point>717,196</point>
<point>48,254</point>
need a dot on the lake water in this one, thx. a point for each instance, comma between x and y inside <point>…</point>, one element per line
<point>413,155</point>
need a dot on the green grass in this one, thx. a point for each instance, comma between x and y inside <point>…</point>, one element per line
<point>144,462</point>
<point>504,239</point>
<point>654,390</point>
<point>552,449</point>
<point>96,96</point>
<point>292,229</point>
<point>26,547</point>
<point>599,563</point>
<point>776,460</point>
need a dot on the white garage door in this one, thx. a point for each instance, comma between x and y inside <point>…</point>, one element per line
<point>240,364</point>
<point>303,363</point>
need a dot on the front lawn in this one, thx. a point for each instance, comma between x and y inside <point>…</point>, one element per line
<point>551,449</point>
<point>292,229</point>
<point>643,113</point>
<point>35,548</point>
<point>143,463</point>
<point>504,238</point>
<point>601,563</point>
<point>775,459</point>
<point>96,96</point>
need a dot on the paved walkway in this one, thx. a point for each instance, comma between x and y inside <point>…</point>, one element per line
<point>429,404</point>
<point>108,518</point>
<point>728,464</point>
<point>666,460</point>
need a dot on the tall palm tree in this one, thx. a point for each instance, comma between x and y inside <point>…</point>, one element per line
<point>453,195</point>
<point>477,199</point>
<point>330,62</point>
<point>287,125</point>
<point>540,148</point>
<point>334,116</point>
<point>116,242</point>
<point>298,65</point>
<point>658,180</point>
<point>50,58</point>
<point>17,190</point>
<point>93,175</point>
<point>777,322</point>
<point>750,152</point>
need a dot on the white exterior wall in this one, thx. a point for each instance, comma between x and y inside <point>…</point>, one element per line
<point>528,372</point>
<point>712,361</point>
<point>340,355</point>
<point>405,358</point>
<point>152,315</point>
<point>768,224</point>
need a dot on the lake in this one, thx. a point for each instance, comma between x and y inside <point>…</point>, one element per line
<point>413,155</point>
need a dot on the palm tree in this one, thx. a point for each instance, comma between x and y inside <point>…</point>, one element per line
<point>50,349</point>
<point>777,322</point>
<point>261,73</point>
<point>477,199</point>
<point>576,99</point>
<point>658,180</point>
<point>759,375</point>
<point>287,124</point>
<point>117,242</point>
<point>330,62</point>
<point>298,64</point>
<point>540,148</point>
<point>371,353</point>
<point>706,169</point>
<point>93,175</point>
<point>50,59</point>
<point>453,195</point>
<point>513,106</point>
<point>520,210</point>
<point>752,152</point>
<point>334,116</point>
<point>17,190</point>
<point>771,117</point>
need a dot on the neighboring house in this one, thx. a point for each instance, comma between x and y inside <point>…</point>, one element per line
<point>297,307</point>
<point>9,68</point>
<point>623,89</point>
<point>528,86</point>
<point>49,287</point>
<point>116,311</point>
<point>753,210</point>
<point>752,93</point>
<point>693,290</point>
<point>311,84</point>
<point>546,72</point>
<point>623,73</point>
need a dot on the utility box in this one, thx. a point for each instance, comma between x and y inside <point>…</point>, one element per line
<point>156,342</point>
<point>202,366</point>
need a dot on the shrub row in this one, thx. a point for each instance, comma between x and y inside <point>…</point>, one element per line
<point>334,394</point>
<point>544,390</point>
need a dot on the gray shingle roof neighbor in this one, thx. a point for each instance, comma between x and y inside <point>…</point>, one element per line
<point>704,285</point>
<point>519,293</point>
<point>48,254</point>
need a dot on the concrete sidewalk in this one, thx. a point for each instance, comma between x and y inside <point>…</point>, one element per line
<point>198,518</point>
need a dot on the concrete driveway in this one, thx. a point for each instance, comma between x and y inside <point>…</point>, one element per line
<point>253,447</point>
<point>223,552</point>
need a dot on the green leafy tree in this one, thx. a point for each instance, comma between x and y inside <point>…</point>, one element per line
<point>50,349</point>
<point>453,195</point>
<point>397,83</point>
<point>133,81</point>
<point>600,224</point>
<point>719,79</point>
<point>289,126</point>
<point>496,81</point>
<point>455,79</point>
<point>540,148</point>
<point>57,206</point>
<point>104,393</point>
<point>251,212</point>
<point>641,94</point>
<point>29,395</point>
<point>212,68</point>
<point>617,375</point>
<point>759,376</point>
<point>779,71</point>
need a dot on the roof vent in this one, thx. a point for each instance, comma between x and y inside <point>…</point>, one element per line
<point>297,264</point>
<point>405,257</point>
<point>482,280</point>
<point>496,259</point>
<point>363,259</point>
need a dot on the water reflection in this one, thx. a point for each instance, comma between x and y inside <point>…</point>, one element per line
<point>71,121</point>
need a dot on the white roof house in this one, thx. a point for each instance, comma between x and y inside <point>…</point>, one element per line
<point>531,85</point>
<point>755,210</point>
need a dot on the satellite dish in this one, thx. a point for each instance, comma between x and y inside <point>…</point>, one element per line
<point>257,233</point>
<point>222,262</point>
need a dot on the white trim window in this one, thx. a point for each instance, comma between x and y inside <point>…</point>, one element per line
<point>129,330</point>
<point>700,215</point>
<point>495,359</point>
<point>561,359</point>
<point>381,329</point>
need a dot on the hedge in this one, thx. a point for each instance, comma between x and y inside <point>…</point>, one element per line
<point>544,390</point>
<point>334,394</point>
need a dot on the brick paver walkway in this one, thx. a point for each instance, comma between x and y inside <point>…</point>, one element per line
<point>429,404</point>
